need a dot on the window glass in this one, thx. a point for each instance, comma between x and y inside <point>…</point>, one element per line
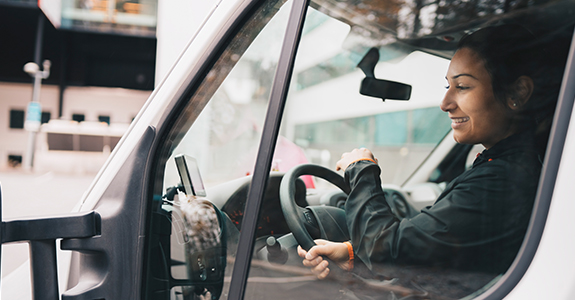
<point>46,116</point>
<point>210,154</point>
<point>439,236</point>
<point>391,128</point>
<point>397,131</point>
<point>420,255</point>
<point>104,119</point>
<point>428,125</point>
<point>326,116</point>
<point>14,160</point>
<point>326,121</point>
<point>16,119</point>
<point>78,117</point>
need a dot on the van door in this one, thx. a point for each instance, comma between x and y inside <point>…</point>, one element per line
<point>227,121</point>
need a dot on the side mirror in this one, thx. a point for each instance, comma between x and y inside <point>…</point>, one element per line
<point>380,88</point>
<point>204,232</point>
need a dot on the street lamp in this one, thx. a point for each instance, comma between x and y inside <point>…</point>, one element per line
<point>34,111</point>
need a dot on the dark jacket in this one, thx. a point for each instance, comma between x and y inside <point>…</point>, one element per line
<point>477,223</point>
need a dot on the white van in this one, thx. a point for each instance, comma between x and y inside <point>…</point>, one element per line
<point>193,202</point>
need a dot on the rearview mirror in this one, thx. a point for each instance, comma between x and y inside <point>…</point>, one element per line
<point>380,88</point>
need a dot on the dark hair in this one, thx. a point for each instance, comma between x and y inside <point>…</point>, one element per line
<point>510,51</point>
<point>507,52</point>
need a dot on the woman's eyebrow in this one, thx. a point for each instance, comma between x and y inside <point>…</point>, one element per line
<point>463,74</point>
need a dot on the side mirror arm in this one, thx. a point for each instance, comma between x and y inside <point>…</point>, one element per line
<point>41,233</point>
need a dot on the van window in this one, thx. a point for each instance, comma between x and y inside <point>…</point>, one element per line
<point>430,205</point>
<point>327,116</point>
<point>227,112</point>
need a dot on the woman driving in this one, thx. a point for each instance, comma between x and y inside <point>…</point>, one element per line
<point>501,93</point>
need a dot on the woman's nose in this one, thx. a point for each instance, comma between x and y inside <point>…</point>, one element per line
<point>447,104</point>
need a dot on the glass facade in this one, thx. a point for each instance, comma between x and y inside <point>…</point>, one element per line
<point>131,17</point>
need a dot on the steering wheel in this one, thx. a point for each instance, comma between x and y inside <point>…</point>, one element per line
<point>328,220</point>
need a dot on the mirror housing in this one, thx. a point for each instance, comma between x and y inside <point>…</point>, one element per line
<point>385,89</point>
<point>380,88</point>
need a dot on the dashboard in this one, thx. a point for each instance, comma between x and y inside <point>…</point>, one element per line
<point>231,198</point>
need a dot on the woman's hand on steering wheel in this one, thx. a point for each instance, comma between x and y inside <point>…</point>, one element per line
<point>337,252</point>
<point>356,154</point>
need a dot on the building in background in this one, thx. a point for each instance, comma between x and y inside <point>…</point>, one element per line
<point>103,64</point>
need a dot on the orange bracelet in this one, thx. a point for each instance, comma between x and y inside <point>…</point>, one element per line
<point>362,159</point>
<point>350,253</point>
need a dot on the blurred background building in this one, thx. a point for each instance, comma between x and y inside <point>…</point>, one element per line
<point>103,63</point>
<point>106,58</point>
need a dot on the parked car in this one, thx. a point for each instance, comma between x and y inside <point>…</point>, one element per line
<point>188,204</point>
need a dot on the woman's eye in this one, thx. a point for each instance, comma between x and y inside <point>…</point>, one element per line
<point>462,87</point>
<point>447,87</point>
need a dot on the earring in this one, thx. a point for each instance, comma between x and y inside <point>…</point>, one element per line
<point>514,104</point>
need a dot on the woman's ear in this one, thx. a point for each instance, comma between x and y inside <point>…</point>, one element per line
<point>521,92</point>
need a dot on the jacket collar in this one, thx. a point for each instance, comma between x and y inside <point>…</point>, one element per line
<point>523,140</point>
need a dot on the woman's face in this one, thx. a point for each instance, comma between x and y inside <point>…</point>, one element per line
<point>477,116</point>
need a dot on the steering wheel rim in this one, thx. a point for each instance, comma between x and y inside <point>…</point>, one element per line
<point>296,216</point>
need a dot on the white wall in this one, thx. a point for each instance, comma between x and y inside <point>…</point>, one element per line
<point>178,22</point>
<point>14,96</point>
<point>120,104</point>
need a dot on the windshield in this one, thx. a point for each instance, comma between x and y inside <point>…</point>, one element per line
<point>327,116</point>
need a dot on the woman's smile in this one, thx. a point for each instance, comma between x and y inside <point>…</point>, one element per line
<point>458,122</point>
<point>477,117</point>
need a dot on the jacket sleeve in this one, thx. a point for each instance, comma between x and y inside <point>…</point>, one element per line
<point>451,229</point>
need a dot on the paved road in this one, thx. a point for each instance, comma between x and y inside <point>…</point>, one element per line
<point>28,194</point>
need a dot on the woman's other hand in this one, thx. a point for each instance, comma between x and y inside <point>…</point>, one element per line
<point>355,155</point>
<point>337,252</point>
